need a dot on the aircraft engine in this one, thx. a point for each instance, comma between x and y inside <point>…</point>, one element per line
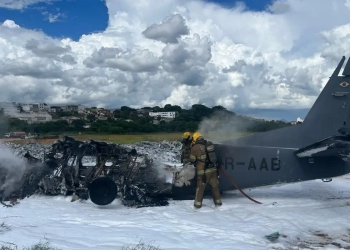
<point>103,191</point>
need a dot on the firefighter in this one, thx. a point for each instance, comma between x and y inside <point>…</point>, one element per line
<point>186,147</point>
<point>204,158</point>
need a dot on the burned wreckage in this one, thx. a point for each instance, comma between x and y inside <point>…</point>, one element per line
<point>97,170</point>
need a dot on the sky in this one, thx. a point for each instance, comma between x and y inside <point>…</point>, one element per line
<point>269,58</point>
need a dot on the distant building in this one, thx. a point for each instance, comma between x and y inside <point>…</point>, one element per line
<point>81,109</point>
<point>104,112</point>
<point>43,106</point>
<point>170,115</point>
<point>299,120</point>
<point>26,107</point>
<point>70,119</point>
<point>32,117</point>
<point>143,112</point>
<point>55,109</point>
<point>35,108</point>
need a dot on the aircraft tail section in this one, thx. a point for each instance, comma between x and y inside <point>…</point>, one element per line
<point>329,116</point>
<point>330,112</point>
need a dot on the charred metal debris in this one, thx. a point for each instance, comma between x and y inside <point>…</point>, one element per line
<point>89,169</point>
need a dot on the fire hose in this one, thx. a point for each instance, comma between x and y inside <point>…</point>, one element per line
<point>235,184</point>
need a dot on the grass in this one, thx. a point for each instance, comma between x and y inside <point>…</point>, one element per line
<point>39,246</point>
<point>129,139</point>
<point>154,137</point>
<point>134,138</point>
<point>11,246</point>
<point>140,246</point>
<point>46,246</point>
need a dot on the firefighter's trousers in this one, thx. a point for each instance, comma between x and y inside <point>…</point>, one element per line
<point>211,178</point>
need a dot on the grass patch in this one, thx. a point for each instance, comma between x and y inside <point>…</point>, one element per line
<point>39,246</point>
<point>46,246</point>
<point>129,139</point>
<point>134,138</point>
<point>140,246</point>
<point>154,137</point>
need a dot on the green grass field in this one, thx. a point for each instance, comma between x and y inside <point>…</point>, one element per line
<point>127,139</point>
<point>130,139</point>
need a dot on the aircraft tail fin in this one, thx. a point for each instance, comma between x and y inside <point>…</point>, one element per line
<point>330,112</point>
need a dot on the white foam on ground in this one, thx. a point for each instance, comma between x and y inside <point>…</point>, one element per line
<point>295,210</point>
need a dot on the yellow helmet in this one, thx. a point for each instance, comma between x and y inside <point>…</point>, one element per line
<point>196,135</point>
<point>186,135</point>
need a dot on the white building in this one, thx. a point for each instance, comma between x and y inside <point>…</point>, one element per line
<point>43,106</point>
<point>70,119</point>
<point>67,107</point>
<point>81,109</point>
<point>170,115</point>
<point>299,120</point>
<point>26,107</point>
<point>32,117</point>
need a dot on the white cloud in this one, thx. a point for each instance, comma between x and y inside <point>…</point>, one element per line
<point>182,52</point>
<point>52,18</point>
<point>21,4</point>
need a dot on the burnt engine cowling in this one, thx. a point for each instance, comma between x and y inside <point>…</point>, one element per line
<point>103,191</point>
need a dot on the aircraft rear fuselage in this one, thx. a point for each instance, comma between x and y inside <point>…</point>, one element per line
<point>252,166</point>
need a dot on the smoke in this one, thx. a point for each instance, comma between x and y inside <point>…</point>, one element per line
<point>3,123</point>
<point>222,125</point>
<point>185,175</point>
<point>161,174</point>
<point>12,170</point>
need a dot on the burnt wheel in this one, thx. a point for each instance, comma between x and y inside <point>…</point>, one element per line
<point>103,191</point>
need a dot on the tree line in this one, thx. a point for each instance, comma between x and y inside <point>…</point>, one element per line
<point>127,120</point>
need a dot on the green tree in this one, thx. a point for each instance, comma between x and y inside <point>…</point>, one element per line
<point>91,117</point>
<point>188,120</point>
<point>78,124</point>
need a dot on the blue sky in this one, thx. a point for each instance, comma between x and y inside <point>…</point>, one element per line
<point>73,18</point>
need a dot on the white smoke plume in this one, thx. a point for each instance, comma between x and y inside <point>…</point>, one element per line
<point>185,175</point>
<point>12,170</point>
<point>222,125</point>
<point>160,172</point>
<point>3,123</point>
